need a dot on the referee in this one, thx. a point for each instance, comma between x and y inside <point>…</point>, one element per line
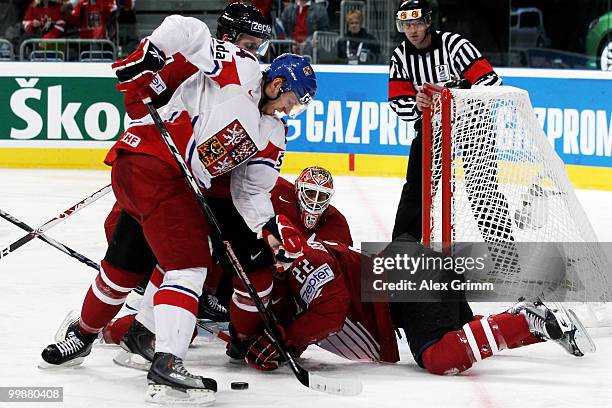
<point>424,56</point>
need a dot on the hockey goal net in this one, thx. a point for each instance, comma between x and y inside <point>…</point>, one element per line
<point>492,176</point>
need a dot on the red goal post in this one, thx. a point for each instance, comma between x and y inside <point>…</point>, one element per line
<point>490,174</point>
<point>445,97</point>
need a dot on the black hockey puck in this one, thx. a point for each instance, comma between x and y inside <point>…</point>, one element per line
<point>239,385</point>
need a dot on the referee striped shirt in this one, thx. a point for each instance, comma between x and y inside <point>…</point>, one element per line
<point>450,56</point>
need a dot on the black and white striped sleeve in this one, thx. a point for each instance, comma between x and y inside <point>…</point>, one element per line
<point>402,93</point>
<point>470,62</point>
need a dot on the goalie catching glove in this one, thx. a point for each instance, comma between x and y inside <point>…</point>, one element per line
<point>285,241</point>
<point>137,70</point>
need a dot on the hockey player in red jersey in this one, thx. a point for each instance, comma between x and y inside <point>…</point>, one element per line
<point>214,118</point>
<point>306,204</point>
<point>320,303</point>
<point>317,301</point>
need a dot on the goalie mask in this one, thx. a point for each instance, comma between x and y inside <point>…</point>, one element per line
<point>314,189</point>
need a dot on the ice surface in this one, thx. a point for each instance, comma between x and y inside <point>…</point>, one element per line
<point>40,285</point>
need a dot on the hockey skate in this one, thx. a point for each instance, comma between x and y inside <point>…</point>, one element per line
<point>556,324</point>
<point>138,346</point>
<point>71,318</point>
<point>210,308</point>
<point>70,351</point>
<point>171,383</point>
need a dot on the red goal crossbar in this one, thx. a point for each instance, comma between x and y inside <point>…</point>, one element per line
<point>427,194</point>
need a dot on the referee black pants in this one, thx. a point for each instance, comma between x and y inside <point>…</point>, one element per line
<point>489,206</point>
<point>408,216</point>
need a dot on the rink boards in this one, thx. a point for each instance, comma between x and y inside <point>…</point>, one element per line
<point>67,115</point>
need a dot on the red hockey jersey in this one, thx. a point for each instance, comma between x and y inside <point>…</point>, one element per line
<point>92,17</point>
<point>49,21</point>
<point>319,302</point>
<point>332,225</point>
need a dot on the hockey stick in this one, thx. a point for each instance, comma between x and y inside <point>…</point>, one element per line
<point>39,232</point>
<point>213,328</point>
<point>65,249</point>
<point>308,379</point>
<point>51,223</point>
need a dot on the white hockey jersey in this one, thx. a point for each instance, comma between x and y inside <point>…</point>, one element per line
<point>214,118</point>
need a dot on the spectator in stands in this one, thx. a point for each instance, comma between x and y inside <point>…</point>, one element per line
<point>358,46</point>
<point>264,6</point>
<point>9,21</point>
<point>46,18</point>
<point>95,19</point>
<point>333,12</point>
<point>127,35</point>
<point>302,18</point>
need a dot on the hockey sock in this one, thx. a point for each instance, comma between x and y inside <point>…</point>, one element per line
<point>105,297</point>
<point>115,330</point>
<point>243,312</point>
<point>515,329</point>
<point>477,340</point>
<point>176,308</point>
<point>213,278</point>
<point>146,314</point>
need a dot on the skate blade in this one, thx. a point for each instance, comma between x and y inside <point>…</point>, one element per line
<point>132,360</point>
<point>583,339</point>
<point>43,365</point>
<point>163,394</point>
<point>71,317</point>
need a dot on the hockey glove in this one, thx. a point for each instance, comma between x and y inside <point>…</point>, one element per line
<point>138,69</point>
<point>458,84</point>
<point>285,241</point>
<point>262,353</point>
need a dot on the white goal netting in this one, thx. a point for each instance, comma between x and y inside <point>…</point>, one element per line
<point>509,186</point>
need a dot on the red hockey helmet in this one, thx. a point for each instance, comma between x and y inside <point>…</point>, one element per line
<point>314,189</point>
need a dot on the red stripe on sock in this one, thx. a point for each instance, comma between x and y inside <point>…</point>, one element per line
<point>514,329</point>
<point>175,298</point>
<point>95,313</point>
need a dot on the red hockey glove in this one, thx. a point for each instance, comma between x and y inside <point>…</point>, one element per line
<point>138,70</point>
<point>285,241</point>
<point>262,354</point>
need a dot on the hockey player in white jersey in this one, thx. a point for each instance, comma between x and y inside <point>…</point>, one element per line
<point>214,119</point>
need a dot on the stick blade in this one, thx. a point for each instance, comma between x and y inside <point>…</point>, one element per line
<point>334,386</point>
